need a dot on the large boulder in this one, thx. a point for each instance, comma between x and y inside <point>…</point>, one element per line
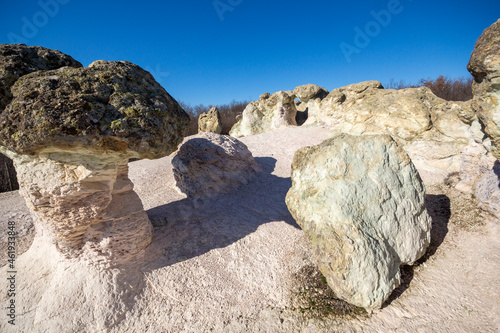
<point>208,164</point>
<point>484,65</point>
<point>269,113</point>
<point>210,121</point>
<point>71,132</point>
<point>360,201</point>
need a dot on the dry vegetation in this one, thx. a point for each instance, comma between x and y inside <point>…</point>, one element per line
<point>458,89</point>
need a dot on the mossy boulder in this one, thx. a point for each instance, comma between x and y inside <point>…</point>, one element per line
<point>108,105</point>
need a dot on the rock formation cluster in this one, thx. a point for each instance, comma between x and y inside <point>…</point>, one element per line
<point>361,202</point>
<point>71,132</point>
<point>208,164</point>
<point>269,113</point>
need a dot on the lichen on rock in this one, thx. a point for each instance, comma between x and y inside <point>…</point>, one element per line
<point>71,132</point>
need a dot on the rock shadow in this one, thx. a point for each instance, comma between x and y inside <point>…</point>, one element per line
<point>496,171</point>
<point>186,229</point>
<point>439,208</point>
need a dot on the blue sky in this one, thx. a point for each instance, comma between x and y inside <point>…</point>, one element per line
<point>211,52</point>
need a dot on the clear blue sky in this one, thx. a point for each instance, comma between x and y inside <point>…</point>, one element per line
<point>211,52</point>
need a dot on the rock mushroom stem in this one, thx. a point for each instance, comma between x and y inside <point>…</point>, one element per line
<point>83,202</point>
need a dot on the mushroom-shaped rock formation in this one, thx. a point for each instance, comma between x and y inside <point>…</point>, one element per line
<point>267,114</point>
<point>208,164</point>
<point>360,201</point>
<point>210,121</point>
<point>484,65</point>
<point>71,133</point>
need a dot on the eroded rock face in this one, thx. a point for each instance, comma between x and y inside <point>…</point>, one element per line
<point>360,201</point>
<point>208,164</point>
<point>484,65</point>
<point>17,60</point>
<point>431,130</point>
<point>267,114</point>
<point>84,202</point>
<point>70,133</point>
<point>210,121</point>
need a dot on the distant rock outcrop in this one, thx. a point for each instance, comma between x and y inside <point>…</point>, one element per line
<point>208,164</point>
<point>210,121</point>
<point>484,65</point>
<point>360,201</point>
<point>71,132</point>
<point>430,129</point>
<point>269,113</point>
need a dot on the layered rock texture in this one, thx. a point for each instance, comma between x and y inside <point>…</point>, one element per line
<point>269,113</point>
<point>70,132</point>
<point>210,121</point>
<point>360,201</point>
<point>484,65</point>
<point>208,164</point>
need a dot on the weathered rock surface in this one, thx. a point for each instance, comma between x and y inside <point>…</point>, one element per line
<point>360,201</point>
<point>480,176</point>
<point>70,133</point>
<point>267,114</point>
<point>431,130</point>
<point>484,65</point>
<point>208,164</point>
<point>17,60</point>
<point>109,105</point>
<point>310,91</point>
<point>210,121</point>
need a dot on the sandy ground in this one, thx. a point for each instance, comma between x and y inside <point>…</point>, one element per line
<point>233,264</point>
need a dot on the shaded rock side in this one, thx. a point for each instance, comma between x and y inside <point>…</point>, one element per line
<point>269,113</point>
<point>484,65</point>
<point>208,164</point>
<point>210,121</point>
<point>360,201</point>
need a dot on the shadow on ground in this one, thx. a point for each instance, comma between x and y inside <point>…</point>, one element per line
<point>184,229</point>
<point>439,208</point>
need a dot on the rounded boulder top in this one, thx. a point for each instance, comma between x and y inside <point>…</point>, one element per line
<point>109,106</point>
<point>17,60</point>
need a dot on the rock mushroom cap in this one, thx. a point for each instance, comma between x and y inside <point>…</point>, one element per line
<point>486,55</point>
<point>114,106</point>
<point>17,60</point>
<point>310,91</point>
